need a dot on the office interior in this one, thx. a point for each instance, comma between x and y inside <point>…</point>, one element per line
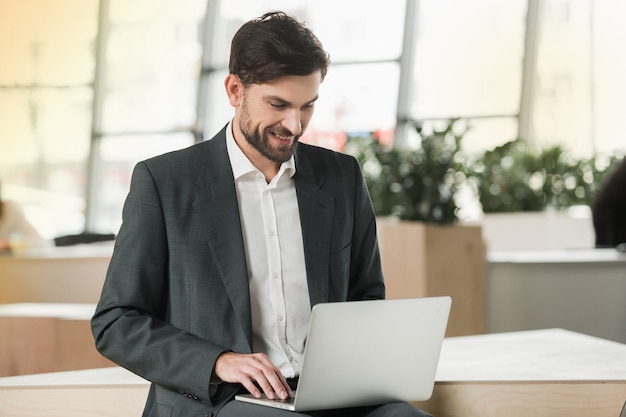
<point>88,88</point>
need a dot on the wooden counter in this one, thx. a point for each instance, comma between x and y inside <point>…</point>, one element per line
<point>106,392</point>
<point>37,338</point>
<point>543,373</point>
<point>73,274</point>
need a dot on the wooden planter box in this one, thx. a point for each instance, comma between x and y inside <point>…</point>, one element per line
<point>425,260</point>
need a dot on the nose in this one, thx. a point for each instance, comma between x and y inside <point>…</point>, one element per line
<point>293,121</point>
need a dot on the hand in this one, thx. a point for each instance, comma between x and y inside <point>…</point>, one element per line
<point>247,369</point>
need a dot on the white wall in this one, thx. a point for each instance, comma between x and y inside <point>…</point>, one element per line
<point>537,231</point>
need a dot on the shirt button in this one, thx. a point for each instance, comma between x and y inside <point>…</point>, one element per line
<point>280,318</point>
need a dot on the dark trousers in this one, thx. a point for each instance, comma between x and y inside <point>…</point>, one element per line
<point>241,409</point>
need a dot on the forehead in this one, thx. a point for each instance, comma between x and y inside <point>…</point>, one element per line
<point>297,89</point>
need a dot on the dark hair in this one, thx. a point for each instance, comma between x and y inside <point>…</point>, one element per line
<point>275,45</point>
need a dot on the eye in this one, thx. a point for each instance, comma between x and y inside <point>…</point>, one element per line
<point>277,106</point>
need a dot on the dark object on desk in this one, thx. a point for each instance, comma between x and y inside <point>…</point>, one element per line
<point>609,208</point>
<point>69,240</point>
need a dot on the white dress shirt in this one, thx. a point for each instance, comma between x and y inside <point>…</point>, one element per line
<point>272,235</point>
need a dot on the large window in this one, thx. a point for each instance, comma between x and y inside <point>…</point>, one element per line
<point>364,40</point>
<point>579,93</point>
<point>47,67</point>
<point>90,87</point>
<point>146,103</point>
<point>467,63</point>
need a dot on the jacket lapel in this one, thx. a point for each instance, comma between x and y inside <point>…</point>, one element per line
<point>217,206</point>
<point>316,216</point>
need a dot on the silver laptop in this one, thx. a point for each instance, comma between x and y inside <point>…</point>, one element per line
<point>368,352</point>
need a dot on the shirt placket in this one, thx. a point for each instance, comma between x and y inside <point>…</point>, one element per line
<point>275,269</point>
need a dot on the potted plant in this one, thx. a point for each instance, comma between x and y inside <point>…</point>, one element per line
<point>413,183</point>
<point>531,191</point>
<point>425,252</point>
<point>514,177</point>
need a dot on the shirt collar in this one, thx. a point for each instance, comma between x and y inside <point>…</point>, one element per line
<point>241,164</point>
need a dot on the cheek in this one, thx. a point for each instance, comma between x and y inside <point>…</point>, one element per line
<point>262,115</point>
<point>256,118</point>
<point>306,117</point>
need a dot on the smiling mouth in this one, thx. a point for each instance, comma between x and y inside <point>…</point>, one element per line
<point>281,137</point>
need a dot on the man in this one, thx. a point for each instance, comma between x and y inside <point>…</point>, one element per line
<point>16,231</point>
<point>609,208</point>
<point>225,246</point>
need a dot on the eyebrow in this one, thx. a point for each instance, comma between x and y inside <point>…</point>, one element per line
<point>288,103</point>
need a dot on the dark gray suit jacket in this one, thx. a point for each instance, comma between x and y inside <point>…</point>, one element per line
<point>176,293</point>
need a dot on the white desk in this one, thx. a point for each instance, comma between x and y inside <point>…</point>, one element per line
<point>582,290</point>
<point>544,373</point>
<point>541,373</point>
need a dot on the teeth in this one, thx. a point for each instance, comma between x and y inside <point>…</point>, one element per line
<point>281,136</point>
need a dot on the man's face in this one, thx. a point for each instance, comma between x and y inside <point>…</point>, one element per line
<point>274,115</point>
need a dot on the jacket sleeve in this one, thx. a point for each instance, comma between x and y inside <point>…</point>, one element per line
<point>130,324</point>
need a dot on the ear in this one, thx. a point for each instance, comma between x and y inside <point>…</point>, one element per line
<point>234,90</point>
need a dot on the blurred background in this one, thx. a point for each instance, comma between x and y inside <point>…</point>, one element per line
<point>90,87</point>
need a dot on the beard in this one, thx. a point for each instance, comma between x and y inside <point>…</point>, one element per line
<point>259,140</point>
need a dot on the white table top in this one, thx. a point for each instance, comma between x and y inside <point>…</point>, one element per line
<point>570,256</point>
<point>553,355</point>
<point>102,250</point>
<point>85,378</point>
<point>54,310</point>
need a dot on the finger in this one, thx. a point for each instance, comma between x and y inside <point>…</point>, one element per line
<point>285,385</point>
<point>277,382</point>
<point>273,383</point>
<point>253,371</point>
<point>251,387</point>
